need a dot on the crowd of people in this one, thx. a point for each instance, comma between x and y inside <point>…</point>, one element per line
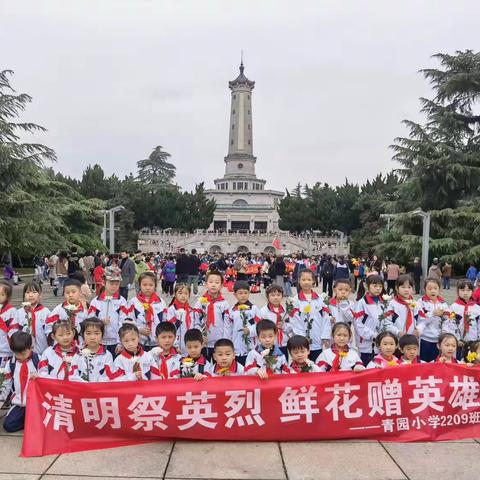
<point>108,336</point>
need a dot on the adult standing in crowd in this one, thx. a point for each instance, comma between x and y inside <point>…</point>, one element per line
<point>434,271</point>
<point>417,273</point>
<point>88,266</point>
<point>127,266</point>
<point>168,275</point>
<point>193,270</point>
<point>182,267</point>
<point>446,275</point>
<point>279,269</point>
<point>61,272</point>
<point>341,270</point>
<point>393,272</point>
<point>140,267</point>
<point>327,276</point>
<point>52,262</point>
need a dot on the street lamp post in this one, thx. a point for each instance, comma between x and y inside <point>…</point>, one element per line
<point>111,224</point>
<point>425,239</point>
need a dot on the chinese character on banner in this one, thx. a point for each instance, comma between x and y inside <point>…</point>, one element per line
<point>197,410</point>
<point>426,394</point>
<point>148,412</point>
<point>465,393</point>
<point>61,409</point>
<point>385,398</point>
<point>418,422</point>
<point>402,424</point>
<point>296,403</point>
<point>243,399</point>
<point>388,425</point>
<point>342,402</point>
<point>108,411</point>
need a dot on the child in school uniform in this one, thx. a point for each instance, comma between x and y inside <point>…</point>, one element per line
<point>181,314</point>
<point>308,317</point>
<point>212,312</point>
<point>32,316</point>
<point>133,362</point>
<point>224,362</point>
<point>387,344</point>
<point>266,359</point>
<point>147,308</point>
<point>401,315</point>
<point>245,316</point>
<point>432,312</point>
<point>110,307</point>
<point>369,312</point>
<point>8,322</point>
<point>56,360</point>
<point>275,312</point>
<point>340,308</point>
<point>166,359</point>
<point>299,350</point>
<point>408,345</point>
<point>19,369</point>
<point>340,357</point>
<point>465,316</point>
<point>194,365</point>
<point>94,363</point>
<point>71,309</point>
<point>448,347</point>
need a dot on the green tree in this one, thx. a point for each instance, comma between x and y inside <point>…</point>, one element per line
<point>155,171</point>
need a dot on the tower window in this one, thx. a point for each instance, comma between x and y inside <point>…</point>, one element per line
<point>231,142</point>
<point>234,185</point>
<point>234,97</point>
<point>249,112</point>
<point>233,127</point>
<point>249,142</point>
<point>249,97</point>
<point>233,112</point>
<point>249,127</point>
<point>240,166</point>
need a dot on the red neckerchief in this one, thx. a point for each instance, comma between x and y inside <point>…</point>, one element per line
<point>465,305</point>
<point>23,376</point>
<point>303,298</point>
<point>187,308</point>
<point>115,296</point>
<point>297,367</point>
<point>338,359</point>
<point>211,308</point>
<point>128,355</point>
<point>381,360</point>
<point>437,360</point>
<point>69,353</point>
<point>278,322</point>
<point>232,369</point>
<point>73,313</point>
<point>200,360</point>
<point>163,362</point>
<point>417,360</point>
<point>149,313</point>
<point>428,299</point>
<point>5,308</point>
<point>333,301</point>
<point>3,324</point>
<point>34,319</point>
<point>369,299</point>
<point>409,321</point>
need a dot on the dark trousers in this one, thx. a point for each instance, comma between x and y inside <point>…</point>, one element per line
<point>313,355</point>
<point>124,292</point>
<point>14,421</point>
<point>168,287</point>
<point>327,286</point>
<point>416,281</point>
<point>366,358</point>
<point>428,351</point>
<point>390,286</point>
<point>182,278</point>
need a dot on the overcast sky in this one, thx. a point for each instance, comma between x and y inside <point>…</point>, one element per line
<point>112,79</point>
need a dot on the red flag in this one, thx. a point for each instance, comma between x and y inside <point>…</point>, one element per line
<point>276,244</point>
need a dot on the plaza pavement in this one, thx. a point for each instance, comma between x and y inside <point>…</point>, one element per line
<point>346,460</point>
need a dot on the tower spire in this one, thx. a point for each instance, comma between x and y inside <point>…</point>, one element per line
<point>241,61</point>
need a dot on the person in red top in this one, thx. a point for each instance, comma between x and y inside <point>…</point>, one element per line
<point>476,296</point>
<point>98,276</point>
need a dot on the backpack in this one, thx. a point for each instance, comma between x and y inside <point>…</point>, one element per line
<point>327,269</point>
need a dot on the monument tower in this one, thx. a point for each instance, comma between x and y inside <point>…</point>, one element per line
<point>243,204</point>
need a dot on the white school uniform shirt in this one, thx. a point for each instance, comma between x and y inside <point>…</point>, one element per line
<point>315,324</point>
<point>165,366</point>
<point>251,315</point>
<point>183,317</point>
<point>346,362</point>
<point>401,316</point>
<point>380,362</point>
<point>189,367</point>
<point>17,383</point>
<point>61,312</point>
<point>465,324</point>
<point>341,311</point>
<point>97,367</point>
<point>256,360</point>
<point>8,326</point>
<point>125,362</point>
<point>56,363</point>
<point>310,367</point>
<point>147,318</point>
<point>236,369</point>
<point>220,325</point>
<point>33,321</point>
<point>281,319</point>
<point>430,325</point>
<point>114,308</point>
<point>367,322</point>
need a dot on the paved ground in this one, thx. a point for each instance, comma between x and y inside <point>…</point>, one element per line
<point>346,460</point>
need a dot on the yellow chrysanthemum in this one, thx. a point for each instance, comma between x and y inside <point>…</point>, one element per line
<point>471,357</point>
<point>392,363</point>
<point>203,300</point>
<point>343,354</point>
<point>146,306</point>
<point>243,307</point>
<point>307,309</point>
<point>452,315</point>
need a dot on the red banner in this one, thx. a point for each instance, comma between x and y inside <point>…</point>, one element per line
<point>406,403</point>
